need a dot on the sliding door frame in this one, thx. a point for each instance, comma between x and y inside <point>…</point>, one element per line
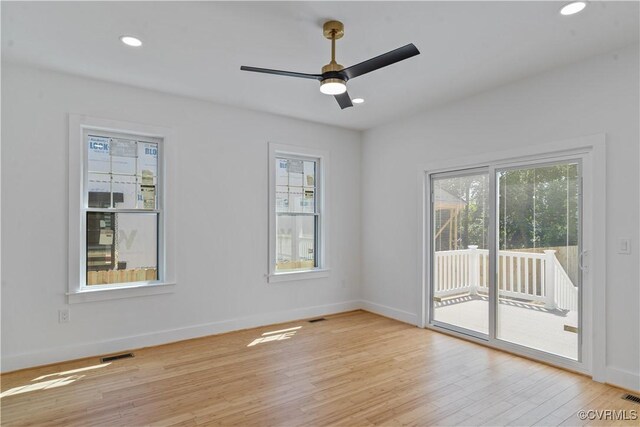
<point>431,204</point>
<point>590,151</point>
<point>583,296</point>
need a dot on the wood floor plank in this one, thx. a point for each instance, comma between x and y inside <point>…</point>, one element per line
<point>354,369</point>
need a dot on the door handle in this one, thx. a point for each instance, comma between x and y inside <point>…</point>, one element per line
<point>581,265</point>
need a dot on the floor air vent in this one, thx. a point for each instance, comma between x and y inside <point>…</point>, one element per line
<point>319,319</point>
<point>115,357</point>
<point>632,398</point>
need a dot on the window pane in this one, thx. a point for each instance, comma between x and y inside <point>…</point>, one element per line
<point>147,197</point>
<point>309,200</point>
<point>98,154</point>
<point>295,185</point>
<point>309,174</point>
<point>99,189</point>
<point>124,192</point>
<point>147,175</point>
<point>126,167</point>
<point>296,173</point>
<point>295,242</point>
<point>282,172</point>
<point>282,199</point>
<point>147,159</point>
<point>121,247</point>
<point>295,199</point>
<point>123,156</point>
<point>538,280</point>
<point>460,271</point>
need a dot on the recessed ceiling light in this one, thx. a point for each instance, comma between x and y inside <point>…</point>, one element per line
<point>131,41</point>
<point>573,8</point>
<point>357,100</point>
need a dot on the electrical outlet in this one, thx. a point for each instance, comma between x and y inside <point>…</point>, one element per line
<point>63,315</point>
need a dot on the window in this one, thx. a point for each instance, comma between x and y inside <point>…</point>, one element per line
<point>297,216</point>
<point>117,211</point>
<point>121,208</point>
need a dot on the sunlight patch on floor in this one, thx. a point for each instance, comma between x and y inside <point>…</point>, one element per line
<point>73,371</point>
<point>282,334</point>
<point>58,382</point>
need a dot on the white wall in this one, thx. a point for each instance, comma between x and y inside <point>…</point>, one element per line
<point>599,95</point>
<point>220,182</point>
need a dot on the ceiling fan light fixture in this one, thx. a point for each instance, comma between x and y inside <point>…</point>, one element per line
<point>333,86</point>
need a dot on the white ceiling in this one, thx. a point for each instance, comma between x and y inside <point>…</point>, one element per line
<point>196,48</point>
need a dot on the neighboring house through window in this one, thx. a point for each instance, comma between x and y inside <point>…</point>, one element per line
<point>122,211</point>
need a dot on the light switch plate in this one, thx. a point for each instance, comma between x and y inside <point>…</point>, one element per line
<point>624,246</point>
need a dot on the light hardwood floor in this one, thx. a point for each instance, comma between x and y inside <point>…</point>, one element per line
<point>354,369</point>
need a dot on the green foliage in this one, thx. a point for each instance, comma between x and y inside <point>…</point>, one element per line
<point>471,193</point>
<point>538,207</point>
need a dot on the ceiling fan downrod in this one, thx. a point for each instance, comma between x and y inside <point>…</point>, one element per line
<point>333,84</point>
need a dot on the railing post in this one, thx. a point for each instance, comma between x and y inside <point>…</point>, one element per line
<point>550,279</point>
<point>474,269</point>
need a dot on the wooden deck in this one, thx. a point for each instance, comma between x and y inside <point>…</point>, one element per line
<point>355,369</point>
<point>530,325</point>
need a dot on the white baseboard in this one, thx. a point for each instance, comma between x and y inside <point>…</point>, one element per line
<point>394,313</point>
<point>622,378</point>
<point>96,348</point>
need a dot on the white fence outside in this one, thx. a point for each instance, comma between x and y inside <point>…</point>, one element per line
<point>524,275</point>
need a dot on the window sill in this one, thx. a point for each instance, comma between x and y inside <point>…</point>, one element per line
<point>90,295</point>
<point>298,275</point>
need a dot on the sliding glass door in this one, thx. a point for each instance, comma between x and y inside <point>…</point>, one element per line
<point>505,243</point>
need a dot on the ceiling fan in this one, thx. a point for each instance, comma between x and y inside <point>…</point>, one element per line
<point>334,77</point>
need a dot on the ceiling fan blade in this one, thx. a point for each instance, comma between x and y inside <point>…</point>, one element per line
<point>344,100</point>
<point>383,60</point>
<point>282,73</point>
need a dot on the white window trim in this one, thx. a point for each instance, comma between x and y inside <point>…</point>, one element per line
<point>77,293</point>
<point>593,150</point>
<point>322,186</point>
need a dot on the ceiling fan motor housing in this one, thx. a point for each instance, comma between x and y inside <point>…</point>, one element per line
<point>332,67</point>
<point>331,73</point>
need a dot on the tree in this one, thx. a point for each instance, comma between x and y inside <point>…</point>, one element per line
<point>538,207</point>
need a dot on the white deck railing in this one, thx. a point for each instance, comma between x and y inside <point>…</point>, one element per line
<point>537,277</point>
<point>286,247</point>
